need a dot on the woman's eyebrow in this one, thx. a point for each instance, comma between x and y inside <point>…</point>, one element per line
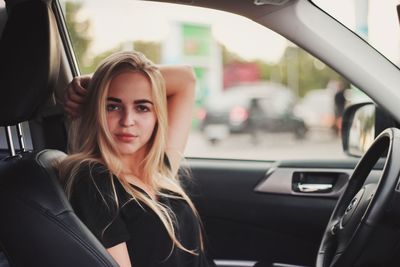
<point>114,99</point>
<point>142,101</point>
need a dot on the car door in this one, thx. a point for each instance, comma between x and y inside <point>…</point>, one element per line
<point>264,201</point>
<point>266,212</point>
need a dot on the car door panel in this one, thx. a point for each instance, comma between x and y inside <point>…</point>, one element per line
<point>246,219</point>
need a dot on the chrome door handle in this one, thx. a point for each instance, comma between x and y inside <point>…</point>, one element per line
<point>314,188</point>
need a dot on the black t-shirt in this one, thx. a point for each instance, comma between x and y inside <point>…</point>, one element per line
<point>133,222</point>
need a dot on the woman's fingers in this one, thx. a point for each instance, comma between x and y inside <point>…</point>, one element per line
<point>72,113</point>
<point>84,80</point>
<point>71,104</point>
<point>75,95</point>
<point>72,108</point>
<point>77,86</point>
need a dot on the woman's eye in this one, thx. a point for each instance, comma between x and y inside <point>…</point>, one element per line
<point>112,107</point>
<point>142,108</point>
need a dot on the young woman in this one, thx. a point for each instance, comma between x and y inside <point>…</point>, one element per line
<point>130,129</point>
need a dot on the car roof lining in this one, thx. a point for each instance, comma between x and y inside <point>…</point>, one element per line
<point>245,8</point>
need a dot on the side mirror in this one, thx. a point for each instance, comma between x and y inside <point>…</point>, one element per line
<point>362,122</point>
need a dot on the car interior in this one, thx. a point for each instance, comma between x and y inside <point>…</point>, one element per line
<point>281,213</point>
<point>31,195</point>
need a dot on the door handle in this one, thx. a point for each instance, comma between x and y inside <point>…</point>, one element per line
<point>314,188</point>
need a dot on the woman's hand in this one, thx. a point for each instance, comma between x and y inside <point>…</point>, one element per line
<point>75,95</point>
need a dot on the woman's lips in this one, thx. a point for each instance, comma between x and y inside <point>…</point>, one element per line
<point>126,137</point>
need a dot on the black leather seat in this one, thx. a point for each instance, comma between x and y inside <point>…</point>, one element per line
<point>37,224</point>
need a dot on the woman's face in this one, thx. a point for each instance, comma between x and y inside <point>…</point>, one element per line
<point>131,118</point>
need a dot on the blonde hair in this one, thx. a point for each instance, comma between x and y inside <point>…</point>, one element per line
<point>97,145</point>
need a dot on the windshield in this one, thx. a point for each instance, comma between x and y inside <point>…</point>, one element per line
<point>376,21</point>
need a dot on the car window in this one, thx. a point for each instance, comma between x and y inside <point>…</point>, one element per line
<point>375,21</point>
<point>252,83</point>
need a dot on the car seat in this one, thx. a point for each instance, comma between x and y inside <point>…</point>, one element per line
<point>37,224</point>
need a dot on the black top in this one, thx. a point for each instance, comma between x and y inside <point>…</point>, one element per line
<point>146,237</point>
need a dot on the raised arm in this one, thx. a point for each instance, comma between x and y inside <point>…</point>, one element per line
<point>180,83</point>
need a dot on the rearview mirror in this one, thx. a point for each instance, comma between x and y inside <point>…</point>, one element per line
<point>362,122</point>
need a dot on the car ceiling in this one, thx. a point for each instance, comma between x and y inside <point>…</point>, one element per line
<point>245,8</point>
<point>242,7</point>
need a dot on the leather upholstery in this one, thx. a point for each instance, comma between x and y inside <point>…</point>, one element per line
<point>38,226</point>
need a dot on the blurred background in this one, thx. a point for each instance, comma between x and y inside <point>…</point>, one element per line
<point>258,95</point>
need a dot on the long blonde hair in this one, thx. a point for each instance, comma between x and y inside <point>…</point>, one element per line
<point>91,142</point>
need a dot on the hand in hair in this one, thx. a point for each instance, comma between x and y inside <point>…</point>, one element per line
<point>75,95</point>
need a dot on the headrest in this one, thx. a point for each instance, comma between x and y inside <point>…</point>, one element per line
<point>29,60</point>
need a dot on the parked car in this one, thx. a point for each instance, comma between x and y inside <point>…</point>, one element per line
<point>316,108</point>
<point>314,210</point>
<point>250,108</point>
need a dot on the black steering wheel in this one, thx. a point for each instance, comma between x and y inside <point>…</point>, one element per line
<point>361,207</point>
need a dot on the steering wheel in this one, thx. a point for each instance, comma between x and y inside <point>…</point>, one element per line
<point>361,206</point>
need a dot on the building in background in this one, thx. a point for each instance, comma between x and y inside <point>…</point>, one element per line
<point>236,73</point>
<point>193,44</point>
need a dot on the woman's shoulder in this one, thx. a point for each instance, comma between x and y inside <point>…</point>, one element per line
<point>94,172</point>
<point>95,176</point>
<point>94,167</point>
<point>95,180</point>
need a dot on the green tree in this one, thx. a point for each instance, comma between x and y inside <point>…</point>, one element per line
<point>266,70</point>
<point>152,50</point>
<point>95,61</point>
<point>229,57</point>
<point>296,69</point>
<point>308,72</point>
<point>79,33</point>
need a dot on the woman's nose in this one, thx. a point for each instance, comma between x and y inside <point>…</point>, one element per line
<point>128,118</point>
